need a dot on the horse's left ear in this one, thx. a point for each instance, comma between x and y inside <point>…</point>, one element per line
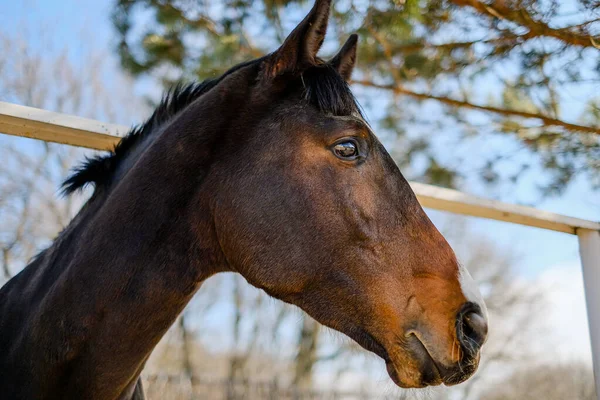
<point>299,51</point>
<point>345,60</point>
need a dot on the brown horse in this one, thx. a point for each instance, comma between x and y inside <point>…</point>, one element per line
<point>269,171</point>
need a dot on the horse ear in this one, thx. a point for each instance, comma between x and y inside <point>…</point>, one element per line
<point>299,51</point>
<point>344,61</point>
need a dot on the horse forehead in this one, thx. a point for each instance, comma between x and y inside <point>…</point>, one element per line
<point>356,119</point>
<point>354,125</point>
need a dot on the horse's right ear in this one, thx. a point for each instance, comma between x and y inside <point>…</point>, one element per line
<point>299,51</point>
<point>344,61</point>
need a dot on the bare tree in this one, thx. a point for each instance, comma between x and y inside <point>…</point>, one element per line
<point>30,210</point>
<point>306,356</point>
<point>573,381</point>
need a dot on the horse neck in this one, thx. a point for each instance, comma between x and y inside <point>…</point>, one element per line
<point>131,260</point>
<point>152,239</point>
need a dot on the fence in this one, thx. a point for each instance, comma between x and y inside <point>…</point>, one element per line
<point>53,127</point>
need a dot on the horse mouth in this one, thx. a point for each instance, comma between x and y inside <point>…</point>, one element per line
<point>433,373</point>
<point>429,371</point>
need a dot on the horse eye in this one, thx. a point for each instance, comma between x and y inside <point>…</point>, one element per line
<point>346,150</point>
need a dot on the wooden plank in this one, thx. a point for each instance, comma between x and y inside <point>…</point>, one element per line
<point>460,203</point>
<point>54,127</point>
<point>59,128</point>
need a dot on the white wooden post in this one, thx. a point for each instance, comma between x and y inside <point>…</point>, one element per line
<point>589,248</point>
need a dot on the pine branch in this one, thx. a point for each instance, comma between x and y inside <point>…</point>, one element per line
<point>537,28</point>
<point>546,120</point>
<point>418,46</point>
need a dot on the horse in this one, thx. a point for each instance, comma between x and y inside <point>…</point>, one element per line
<point>270,171</point>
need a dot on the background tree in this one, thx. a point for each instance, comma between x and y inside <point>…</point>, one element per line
<point>31,211</point>
<point>443,80</point>
<point>573,381</point>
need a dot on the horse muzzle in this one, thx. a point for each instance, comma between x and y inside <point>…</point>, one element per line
<point>424,369</point>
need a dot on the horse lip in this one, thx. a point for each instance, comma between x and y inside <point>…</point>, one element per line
<point>368,342</point>
<point>431,377</point>
<point>437,377</point>
<point>443,374</point>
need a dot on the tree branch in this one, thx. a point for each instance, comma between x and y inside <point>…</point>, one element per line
<point>546,120</point>
<point>418,46</point>
<point>498,9</point>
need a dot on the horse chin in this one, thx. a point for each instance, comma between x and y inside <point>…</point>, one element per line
<point>412,366</point>
<point>420,372</point>
<point>423,370</point>
<point>429,371</point>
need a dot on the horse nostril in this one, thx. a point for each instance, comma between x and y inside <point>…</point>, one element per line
<point>472,328</point>
<point>476,327</point>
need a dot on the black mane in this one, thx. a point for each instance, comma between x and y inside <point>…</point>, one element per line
<point>323,87</point>
<point>95,170</point>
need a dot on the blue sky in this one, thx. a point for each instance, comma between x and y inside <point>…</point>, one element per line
<point>66,18</point>
<point>77,23</point>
